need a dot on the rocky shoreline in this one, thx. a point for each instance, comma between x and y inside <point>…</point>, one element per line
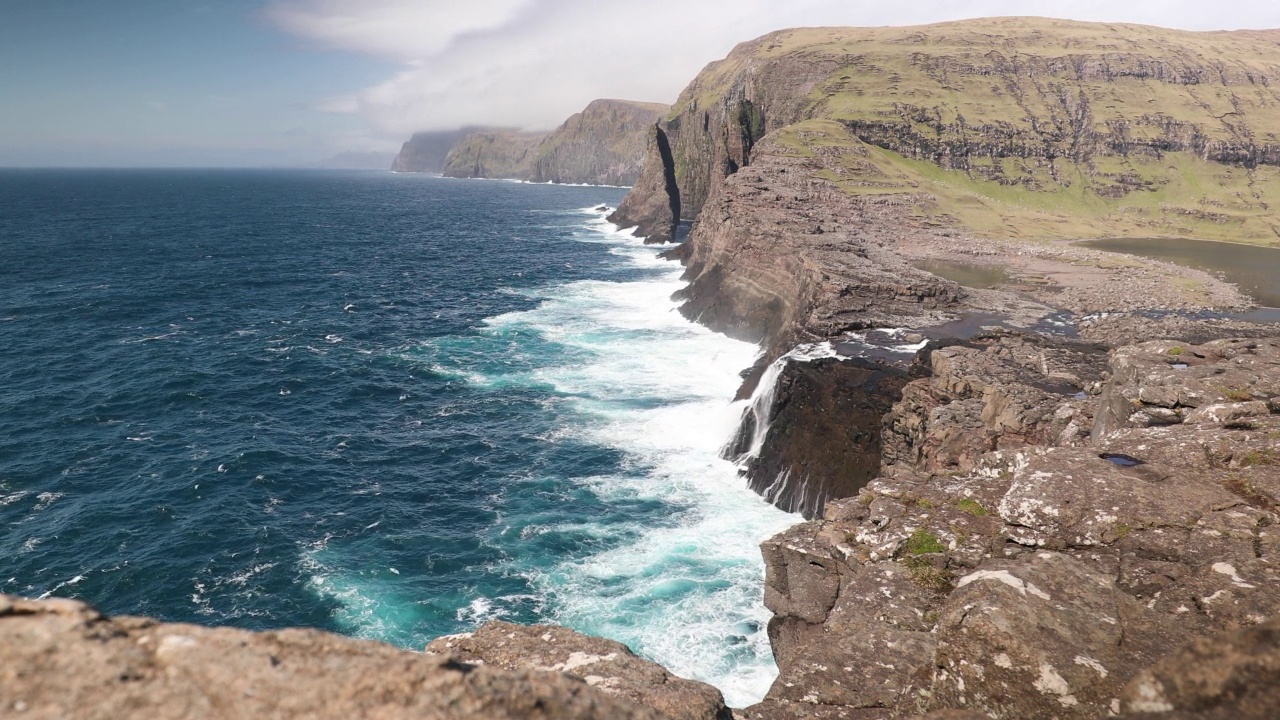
<point>1069,491</point>
<point>1060,501</point>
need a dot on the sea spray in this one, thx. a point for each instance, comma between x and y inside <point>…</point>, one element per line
<point>759,408</point>
<point>682,586</point>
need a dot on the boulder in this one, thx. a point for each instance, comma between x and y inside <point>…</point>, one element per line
<point>603,664</point>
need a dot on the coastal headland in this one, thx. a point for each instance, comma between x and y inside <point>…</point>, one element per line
<point>1047,491</point>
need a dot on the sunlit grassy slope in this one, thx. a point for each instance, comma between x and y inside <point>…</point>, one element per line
<point>1034,128</point>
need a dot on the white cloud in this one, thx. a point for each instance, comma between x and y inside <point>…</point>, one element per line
<point>532,63</point>
<point>399,29</point>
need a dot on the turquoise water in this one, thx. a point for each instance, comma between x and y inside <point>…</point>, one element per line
<point>390,406</point>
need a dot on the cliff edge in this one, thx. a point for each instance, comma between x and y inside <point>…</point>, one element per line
<point>1023,127</point>
<point>63,659</point>
<point>1048,496</point>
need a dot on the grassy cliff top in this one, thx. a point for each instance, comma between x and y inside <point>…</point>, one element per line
<point>1032,127</point>
<point>971,68</point>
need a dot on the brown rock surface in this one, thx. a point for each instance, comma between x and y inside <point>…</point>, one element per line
<point>1043,581</point>
<point>1230,676</point>
<point>603,664</point>
<point>64,660</point>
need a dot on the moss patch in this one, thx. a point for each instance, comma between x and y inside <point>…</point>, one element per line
<point>923,542</point>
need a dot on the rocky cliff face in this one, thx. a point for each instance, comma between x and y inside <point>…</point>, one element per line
<point>425,152</point>
<point>1033,517</point>
<point>1130,116</point>
<point>493,154</point>
<point>1012,566</point>
<point>653,205</point>
<point>812,159</point>
<point>605,144</point>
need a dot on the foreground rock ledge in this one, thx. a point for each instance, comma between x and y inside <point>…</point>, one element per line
<point>1114,557</point>
<point>63,659</point>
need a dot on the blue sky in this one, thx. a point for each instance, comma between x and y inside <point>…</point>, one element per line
<point>293,82</point>
<point>164,82</point>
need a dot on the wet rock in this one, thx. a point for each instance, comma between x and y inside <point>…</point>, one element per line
<point>824,435</point>
<point>62,659</point>
<point>603,664</point>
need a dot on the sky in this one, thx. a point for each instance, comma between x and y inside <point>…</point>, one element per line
<point>294,82</point>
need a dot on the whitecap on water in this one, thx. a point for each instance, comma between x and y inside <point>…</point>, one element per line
<point>682,584</point>
<point>645,381</point>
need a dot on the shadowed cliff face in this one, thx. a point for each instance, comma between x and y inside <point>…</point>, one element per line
<point>425,152</point>
<point>824,438</point>
<point>604,144</point>
<point>653,205</point>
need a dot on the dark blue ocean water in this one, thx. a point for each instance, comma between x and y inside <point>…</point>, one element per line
<point>389,406</point>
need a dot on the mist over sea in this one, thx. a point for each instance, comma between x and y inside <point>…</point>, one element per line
<point>391,406</point>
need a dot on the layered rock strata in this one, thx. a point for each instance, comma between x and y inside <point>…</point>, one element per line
<point>1122,112</point>
<point>1052,514</point>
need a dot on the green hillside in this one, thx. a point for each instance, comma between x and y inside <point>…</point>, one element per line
<point>1017,127</point>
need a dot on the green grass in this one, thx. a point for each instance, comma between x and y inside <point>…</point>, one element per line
<point>1260,458</point>
<point>923,542</point>
<point>949,83</point>
<point>971,506</point>
<point>1237,394</point>
<point>1192,197</point>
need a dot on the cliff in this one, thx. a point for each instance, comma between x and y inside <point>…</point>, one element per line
<point>1014,126</point>
<point>504,154</point>
<point>425,152</point>
<point>820,166</point>
<point>604,144</point>
<point>1051,498</point>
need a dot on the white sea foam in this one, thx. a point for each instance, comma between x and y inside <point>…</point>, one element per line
<point>658,388</point>
<point>636,377</point>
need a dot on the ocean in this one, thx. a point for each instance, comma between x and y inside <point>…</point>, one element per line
<point>390,406</point>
